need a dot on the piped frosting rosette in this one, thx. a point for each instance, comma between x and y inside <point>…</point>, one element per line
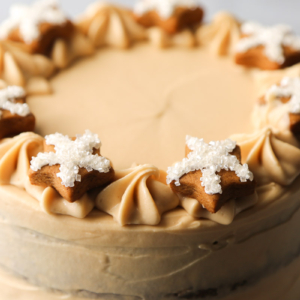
<point>271,155</point>
<point>221,35</point>
<point>22,40</point>
<point>225,215</point>
<point>32,71</point>
<point>106,24</point>
<point>137,196</point>
<point>161,39</point>
<point>15,156</point>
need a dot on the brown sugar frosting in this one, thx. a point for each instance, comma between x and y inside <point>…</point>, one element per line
<point>120,20</point>
<point>142,110</point>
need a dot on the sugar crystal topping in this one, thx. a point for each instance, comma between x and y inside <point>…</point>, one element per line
<point>210,159</point>
<point>8,95</point>
<point>28,18</point>
<point>288,88</point>
<point>272,38</point>
<point>71,156</point>
<point>165,8</point>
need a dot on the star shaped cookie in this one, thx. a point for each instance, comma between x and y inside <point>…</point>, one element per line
<point>71,166</point>
<point>267,48</point>
<point>15,116</point>
<point>36,26</point>
<point>287,92</point>
<point>211,173</point>
<point>172,16</point>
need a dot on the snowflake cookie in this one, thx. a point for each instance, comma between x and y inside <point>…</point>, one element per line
<point>71,166</point>
<point>267,48</point>
<point>15,116</point>
<point>211,173</point>
<point>170,15</point>
<point>36,26</point>
<point>281,103</point>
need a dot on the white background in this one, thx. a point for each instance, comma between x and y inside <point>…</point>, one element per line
<point>265,11</point>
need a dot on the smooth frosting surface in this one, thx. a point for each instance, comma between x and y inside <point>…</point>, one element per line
<point>142,108</point>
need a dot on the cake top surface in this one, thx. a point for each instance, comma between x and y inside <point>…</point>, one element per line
<point>134,100</point>
<point>143,118</point>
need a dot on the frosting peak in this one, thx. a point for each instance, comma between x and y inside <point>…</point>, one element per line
<point>221,35</point>
<point>272,156</point>
<point>110,25</point>
<point>137,196</point>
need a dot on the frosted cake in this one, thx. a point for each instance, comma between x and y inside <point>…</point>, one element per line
<point>188,195</point>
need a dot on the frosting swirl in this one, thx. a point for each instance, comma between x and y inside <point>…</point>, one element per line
<point>271,155</point>
<point>137,196</point>
<point>221,35</point>
<point>161,39</point>
<point>110,25</point>
<point>224,215</point>
<point>15,156</point>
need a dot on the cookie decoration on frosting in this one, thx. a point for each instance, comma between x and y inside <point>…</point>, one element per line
<point>267,48</point>
<point>170,15</point>
<point>15,115</point>
<point>280,106</point>
<point>211,173</point>
<point>71,166</point>
<point>36,26</point>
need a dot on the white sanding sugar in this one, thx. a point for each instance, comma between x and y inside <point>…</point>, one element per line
<point>28,18</point>
<point>165,8</point>
<point>71,156</point>
<point>288,87</point>
<point>8,95</point>
<point>210,159</point>
<point>272,38</point>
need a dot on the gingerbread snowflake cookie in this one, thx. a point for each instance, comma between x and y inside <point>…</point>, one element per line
<point>15,115</point>
<point>267,48</point>
<point>171,15</point>
<point>281,103</point>
<point>36,26</point>
<point>211,173</point>
<point>71,166</point>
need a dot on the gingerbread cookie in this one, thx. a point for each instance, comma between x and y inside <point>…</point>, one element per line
<point>267,48</point>
<point>211,173</point>
<point>71,166</point>
<point>35,27</point>
<point>171,16</point>
<point>285,94</point>
<point>15,115</point>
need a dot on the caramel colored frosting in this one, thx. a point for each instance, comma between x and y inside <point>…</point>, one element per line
<point>142,108</point>
<point>263,80</point>
<point>272,156</point>
<point>137,197</point>
<point>146,113</point>
<point>15,156</point>
<point>221,35</point>
<point>142,103</point>
<point>109,25</point>
<point>176,253</point>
